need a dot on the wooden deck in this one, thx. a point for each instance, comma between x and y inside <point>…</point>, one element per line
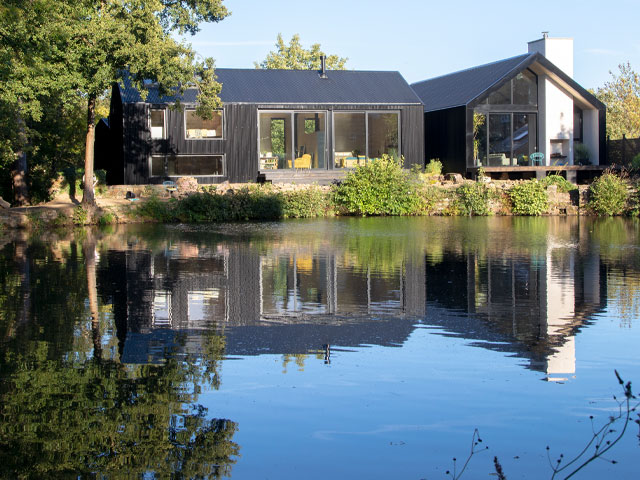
<point>301,176</point>
<point>543,168</point>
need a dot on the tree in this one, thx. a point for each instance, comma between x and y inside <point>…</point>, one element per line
<point>32,69</point>
<point>622,96</point>
<point>111,39</point>
<point>295,57</point>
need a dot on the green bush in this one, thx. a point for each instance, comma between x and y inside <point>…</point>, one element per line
<point>307,203</point>
<point>635,162</point>
<point>608,195</point>
<point>434,167</point>
<point>106,219</point>
<point>80,216</point>
<point>472,199</point>
<point>382,187</point>
<point>529,198</point>
<point>558,180</point>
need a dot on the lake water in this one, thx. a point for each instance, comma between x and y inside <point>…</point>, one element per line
<point>342,348</point>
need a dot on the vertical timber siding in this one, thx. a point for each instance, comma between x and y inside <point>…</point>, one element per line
<point>239,144</point>
<point>445,138</point>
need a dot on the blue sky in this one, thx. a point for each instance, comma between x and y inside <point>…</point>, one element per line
<point>423,39</point>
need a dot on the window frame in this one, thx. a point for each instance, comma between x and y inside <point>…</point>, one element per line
<point>366,130</point>
<point>184,126</point>
<point>291,113</point>
<point>166,164</point>
<point>164,123</point>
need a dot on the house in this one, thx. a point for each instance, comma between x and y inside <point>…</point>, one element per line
<point>519,117</point>
<point>278,125</point>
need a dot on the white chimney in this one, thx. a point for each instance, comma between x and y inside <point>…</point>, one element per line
<point>558,51</point>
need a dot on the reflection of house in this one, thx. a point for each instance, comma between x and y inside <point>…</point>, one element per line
<point>496,116</point>
<point>274,124</point>
<point>533,305</point>
<point>170,299</point>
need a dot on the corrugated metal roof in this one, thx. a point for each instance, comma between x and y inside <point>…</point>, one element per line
<point>297,86</point>
<point>460,88</point>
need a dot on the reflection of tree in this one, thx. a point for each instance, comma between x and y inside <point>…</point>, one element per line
<point>69,408</point>
<point>81,417</point>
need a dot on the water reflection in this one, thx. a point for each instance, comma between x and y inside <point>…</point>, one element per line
<point>109,338</point>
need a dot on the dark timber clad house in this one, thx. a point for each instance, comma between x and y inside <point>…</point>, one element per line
<point>274,124</point>
<point>520,106</point>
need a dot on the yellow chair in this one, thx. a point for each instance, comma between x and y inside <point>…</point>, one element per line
<point>302,162</point>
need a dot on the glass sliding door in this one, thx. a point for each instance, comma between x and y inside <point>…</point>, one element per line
<point>524,137</point>
<point>310,140</point>
<point>350,138</point>
<point>499,140</point>
<point>275,140</point>
<point>383,136</point>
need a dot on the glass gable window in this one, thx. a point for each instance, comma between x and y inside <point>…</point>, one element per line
<point>525,89</point>
<point>198,128</point>
<point>522,90</point>
<point>350,141</point>
<point>501,96</point>
<point>187,165</point>
<point>157,124</point>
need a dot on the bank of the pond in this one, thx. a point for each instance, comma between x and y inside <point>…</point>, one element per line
<point>418,195</point>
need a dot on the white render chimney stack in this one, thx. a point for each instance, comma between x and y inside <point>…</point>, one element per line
<point>558,51</point>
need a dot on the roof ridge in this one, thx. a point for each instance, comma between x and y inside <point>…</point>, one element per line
<point>523,56</point>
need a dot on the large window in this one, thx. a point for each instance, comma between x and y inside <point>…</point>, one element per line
<point>361,136</point>
<point>157,123</point>
<point>522,90</point>
<point>197,127</point>
<point>292,140</point>
<point>350,140</point>
<point>504,139</point>
<point>383,134</point>
<point>187,165</point>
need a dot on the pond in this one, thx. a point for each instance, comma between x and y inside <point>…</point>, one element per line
<point>340,348</point>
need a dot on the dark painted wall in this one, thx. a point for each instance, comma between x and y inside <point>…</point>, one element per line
<point>445,138</point>
<point>239,144</point>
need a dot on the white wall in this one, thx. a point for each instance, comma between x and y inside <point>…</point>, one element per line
<point>558,51</point>
<point>556,118</point>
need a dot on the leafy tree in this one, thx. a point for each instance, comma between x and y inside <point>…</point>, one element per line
<point>68,47</point>
<point>114,38</point>
<point>32,69</point>
<point>622,96</point>
<point>295,57</point>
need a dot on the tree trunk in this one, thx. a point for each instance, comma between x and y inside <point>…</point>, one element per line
<point>88,196</point>
<point>19,170</point>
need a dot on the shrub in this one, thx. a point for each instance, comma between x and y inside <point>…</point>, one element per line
<point>426,200</point>
<point>434,167</point>
<point>307,203</point>
<point>106,219</point>
<point>381,187</point>
<point>529,198</point>
<point>80,216</point>
<point>635,162</point>
<point>155,209</point>
<point>581,154</point>
<point>558,180</point>
<point>608,195</point>
<point>472,199</point>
